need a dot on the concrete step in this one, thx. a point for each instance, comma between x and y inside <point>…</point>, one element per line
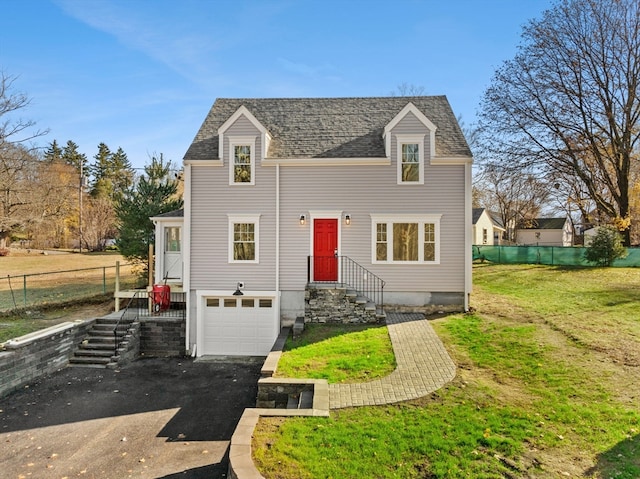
<point>98,333</point>
<point>87,365</point>
<point>370,306</point>
<point>105,327</point>
<point>100,339</point>
<point>94,353</point>
<point>304,400</point>
<point>98,346</point>
<point>90,360</point>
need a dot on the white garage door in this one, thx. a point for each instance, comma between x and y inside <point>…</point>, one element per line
<point>239,326</point>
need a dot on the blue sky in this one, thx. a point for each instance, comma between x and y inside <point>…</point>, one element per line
<point>142,74</point>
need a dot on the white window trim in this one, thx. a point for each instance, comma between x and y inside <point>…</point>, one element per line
<point>244,218</point>
<point>390,219</point>
<point>410,139</point>
<point>242,141</point>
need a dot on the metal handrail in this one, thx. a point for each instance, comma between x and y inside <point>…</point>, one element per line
<point>128,316</point>
<point>352,275</point>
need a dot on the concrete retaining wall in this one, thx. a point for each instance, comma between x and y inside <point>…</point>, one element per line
<point>28,357</point>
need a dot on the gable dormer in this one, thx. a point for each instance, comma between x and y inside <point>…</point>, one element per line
<point>243,111</point>
<point>410,108</point>
<point>242,152</point>
<point>410,153</point>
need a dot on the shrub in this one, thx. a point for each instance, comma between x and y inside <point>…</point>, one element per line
<point>605,247</point>
<point>4,252</point>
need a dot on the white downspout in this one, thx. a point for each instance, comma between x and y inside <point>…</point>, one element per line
<point>186,249</point>
<point>468,236</point>
<point>278,235</point>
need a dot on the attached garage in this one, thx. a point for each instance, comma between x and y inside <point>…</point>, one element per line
<point>230,325</point>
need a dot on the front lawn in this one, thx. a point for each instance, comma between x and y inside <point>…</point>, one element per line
<point>548,385</point>
<point>338,353</point>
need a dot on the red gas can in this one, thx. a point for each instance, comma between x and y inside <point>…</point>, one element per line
<point>161,297</point>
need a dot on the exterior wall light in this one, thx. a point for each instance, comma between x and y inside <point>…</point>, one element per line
<point>347,220</point>
<point>303,219</point>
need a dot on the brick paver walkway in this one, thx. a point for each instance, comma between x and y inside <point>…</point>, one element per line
<point>423,366</point>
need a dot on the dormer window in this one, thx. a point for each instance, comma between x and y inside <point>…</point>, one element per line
<point>242,161</point>
<point>410,159</point>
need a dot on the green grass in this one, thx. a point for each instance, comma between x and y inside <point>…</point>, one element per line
<point>54,289</point>
<point>338,353</point>
<point>541,391</point>
<point>16,324</point>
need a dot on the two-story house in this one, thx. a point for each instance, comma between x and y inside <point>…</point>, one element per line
<point>285,193</point>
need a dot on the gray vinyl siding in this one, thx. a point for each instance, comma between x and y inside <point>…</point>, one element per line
<point>357,190</point>
<point>410,125</point>
<point>360,191</point>
<point>324,188</point>
<point>212,200</point>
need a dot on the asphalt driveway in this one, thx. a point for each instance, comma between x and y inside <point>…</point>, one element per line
<point>156,418</point>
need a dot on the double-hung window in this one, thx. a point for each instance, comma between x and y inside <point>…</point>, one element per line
<point>244,237</point>
<point>410,156</point>
<point>242,165</point>
<point>406,238</point>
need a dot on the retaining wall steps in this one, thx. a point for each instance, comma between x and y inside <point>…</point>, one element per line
<point>98,349</point>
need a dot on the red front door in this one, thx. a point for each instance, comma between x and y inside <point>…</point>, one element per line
<point>325,247</point>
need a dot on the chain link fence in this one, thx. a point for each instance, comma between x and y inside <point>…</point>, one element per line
<point>60,287</point>
<point>550,255</point>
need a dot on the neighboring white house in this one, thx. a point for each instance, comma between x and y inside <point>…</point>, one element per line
<point>278,192</point>
<point>487,229</point>
<point>546,232</point>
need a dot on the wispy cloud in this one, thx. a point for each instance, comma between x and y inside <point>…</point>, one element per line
<point>155,29</point>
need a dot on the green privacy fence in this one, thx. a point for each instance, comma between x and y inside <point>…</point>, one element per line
<point>551,255</point>
<point>45,289</point>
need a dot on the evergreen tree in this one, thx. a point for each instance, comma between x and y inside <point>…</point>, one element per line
<point>155,193</point>
<point>121,172</point>
<point>53,153</point>
<point>101,171</point>
<point>605,247</point>
<point>112,174</point>
<point>73,157</point>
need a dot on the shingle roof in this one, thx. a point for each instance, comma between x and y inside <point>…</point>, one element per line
<point>329,127</point>
<point>497,219</point>
<point>545,224</point>
<point>494,217</point>
<point>172,214</point>
<point>476,214</point>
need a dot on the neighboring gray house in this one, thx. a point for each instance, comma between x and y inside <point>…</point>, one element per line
<point>487,227</point>
<point>546,232</point>
<point>283,193</point>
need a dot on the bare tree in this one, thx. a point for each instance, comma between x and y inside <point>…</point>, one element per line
<point>18,162</point>
<point>405,89</point>
<point>516,197</point>
<point>100,218</point>
<point>13,128</point>
<point>54,196</point>
<point>569,101</point>
<point>17,171</point>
